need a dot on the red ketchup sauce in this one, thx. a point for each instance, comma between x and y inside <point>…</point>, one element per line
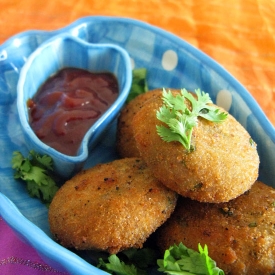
<point>68,104</point>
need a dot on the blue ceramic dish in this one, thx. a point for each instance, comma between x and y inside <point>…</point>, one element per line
<point>64,51</point>
<point>170,61</point>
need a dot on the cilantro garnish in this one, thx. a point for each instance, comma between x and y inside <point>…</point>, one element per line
<point>36,171</point>
<point>139,83</point>
<point>183,261</point>
<point>178,260</point>
<point>118,267</point>
<point>135,261</point>
<point>180,119</point>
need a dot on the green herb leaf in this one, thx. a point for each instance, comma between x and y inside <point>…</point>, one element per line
<point>44,160</point>
<point>178,260</point>
<point>139,83</point>
<point>118,267</point>
<point>135,261</point>
<point>35,170</point>
<point>181,119</point>
<point>181,260</point>
<point>141,258</point>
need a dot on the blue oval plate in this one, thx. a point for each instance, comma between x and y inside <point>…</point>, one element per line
<point>170,61</point>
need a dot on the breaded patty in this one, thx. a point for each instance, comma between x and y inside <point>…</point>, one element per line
<point>240,234</point>
<point>110,207</point>
<point>125,142</point>
<point>223,165</point>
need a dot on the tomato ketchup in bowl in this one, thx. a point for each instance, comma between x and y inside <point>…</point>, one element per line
<point>68,104</point>
<point>68,92</point>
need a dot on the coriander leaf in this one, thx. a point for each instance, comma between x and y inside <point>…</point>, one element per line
<point>215,114</point>
<point>139,83</point>
<point>175,102</point>
<point>180,114</point>
<point>181,260</point>
<point>165,114</point>
<point>17,160</point>
<point>115,266</point>
<point>45,192</point>
<point>35,170</point>
<point>141,258</point>
<point>173,135</point>
<point>135,261</point>
<point>44,160</point>
<point>211,265</point>
<point>35,174</point>
<point>202,108</point>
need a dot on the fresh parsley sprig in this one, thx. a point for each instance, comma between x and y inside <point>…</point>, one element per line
<point>181,260</point>
<point>36,171</point>
<point>181,119</point>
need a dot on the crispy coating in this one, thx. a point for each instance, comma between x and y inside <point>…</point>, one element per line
<point>240,234</point>
<point>125,142</point>
<point>110,207</point>
<point>223,165</point>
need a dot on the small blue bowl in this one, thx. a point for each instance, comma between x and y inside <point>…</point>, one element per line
<point>60,52</point>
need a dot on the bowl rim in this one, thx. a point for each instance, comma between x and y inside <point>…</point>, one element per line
<point>83,151</point>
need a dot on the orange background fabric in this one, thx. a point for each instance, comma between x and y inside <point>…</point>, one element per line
<point>238,34</point>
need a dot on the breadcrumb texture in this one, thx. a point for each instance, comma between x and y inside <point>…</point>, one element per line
<point>224,164</point>
<point>125,141</point>
<point>240,234</point>
<point>110,207</point>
